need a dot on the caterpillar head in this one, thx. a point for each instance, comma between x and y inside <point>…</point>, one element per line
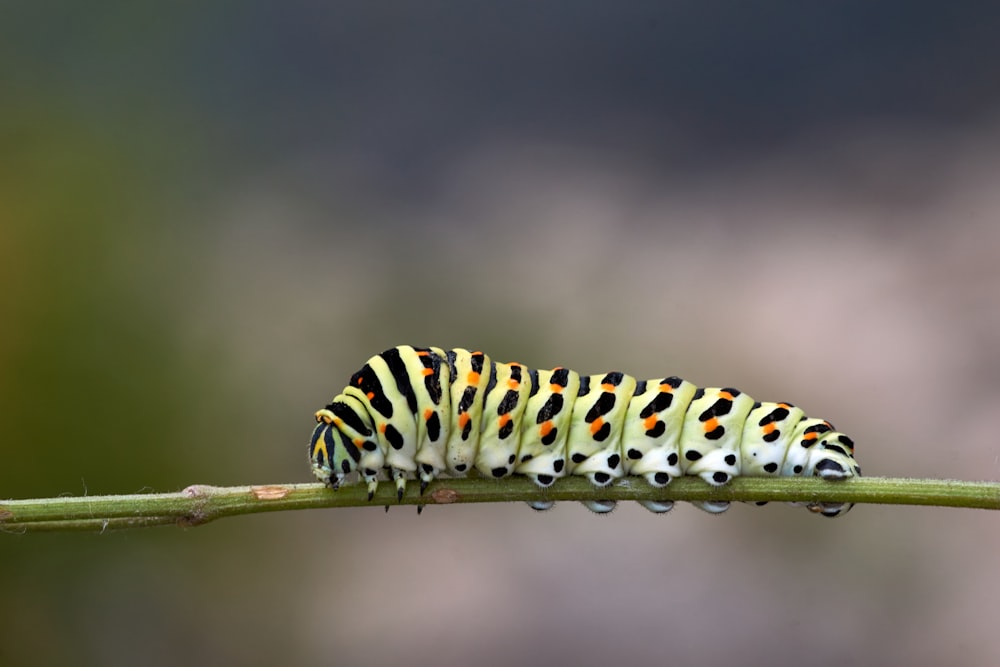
<point>337,443</point>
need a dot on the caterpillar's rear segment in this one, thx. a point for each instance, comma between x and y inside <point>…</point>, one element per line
<point>420,412</point>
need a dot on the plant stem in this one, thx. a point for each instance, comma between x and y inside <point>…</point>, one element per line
<point>200,504</point>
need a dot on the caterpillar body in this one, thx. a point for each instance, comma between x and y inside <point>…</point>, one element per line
<point>419,412</point>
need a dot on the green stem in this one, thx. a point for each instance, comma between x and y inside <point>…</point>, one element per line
<point>200,504</point>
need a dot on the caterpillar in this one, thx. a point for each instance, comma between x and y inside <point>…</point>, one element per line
<point>418,412</point>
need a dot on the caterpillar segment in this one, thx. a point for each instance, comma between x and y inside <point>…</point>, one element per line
<point>418,413</point>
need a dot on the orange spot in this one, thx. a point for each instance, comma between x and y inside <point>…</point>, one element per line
<point>768,428</point>
<point>428,413</point>
<point>711,424</point>
<point>545,428</point>
<point>665,388</point>
<point>607,386</point>
<point>503,420</point>
<point>649,422</point>
<point>513,384</point>
<point>422,353</point>
<point>370,395</point>
<point>556,388</point>
<point>427,371</point>
<point>358,442</point>
<point>338,422</point>
<point>473,378</point>
<point>381,429</point>
<point>596,425</point>
<point>360,379</point>
<point>463,419</point>
<point>726,395</point>
<point>810,436</point>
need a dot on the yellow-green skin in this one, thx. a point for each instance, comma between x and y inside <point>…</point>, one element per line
<point>421,412</point>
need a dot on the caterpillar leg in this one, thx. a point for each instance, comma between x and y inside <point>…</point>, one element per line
<point>371,480</point>
<point>400,477</point>
<point>541,505</point>
<point>657,506</point>
<point>712,506</point>
<point>600,506</point>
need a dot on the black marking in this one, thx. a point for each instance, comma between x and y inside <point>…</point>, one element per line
<point>640,388</point>
<point>672,459</point>
<point>550,437</point>
<point>506,429</point>
<point>835,448</point>
<point>613,378</point>
<point>350,447</point>
<point>499,472</point>
<point>345,465</point>
<point>716,433</point>
<point>772,436</point>
<point>394,437</point>
<point>661,478</point>
<point>427,468</point>
<point>584,385</point>
<point>367,381</point>
<point>673,381</point>
<point>603,432</point>
<point>434,427</point>
<point>578,458</point>
<point>492,382</point>
<point>350,418</point>
<point>818,428</point>
<point>508,403</point>
<point>699,392</point>
<point>533,377</point>
<point>847,442</point>
<point>692,455</point>
<point>613,461</point>
<point>660,402</point>
<point>658,428</point>
<point>397,367</point>
<point>797,470</point>
<point>433,379</point>
<point>771,467</point>
<point>604,404</point>
<point>602,478</point>
<point>634,454</point>
<point>730,459</point>
<point>544,480</point>
<point>720,408</point>
<point>560,376</point>
<point>558,464</point>
<point>526,458</point>
<point>468,398</point>
<point>553,406</point>
<point>720,477</point>
<point>460,467</point>
<point>511,459</point>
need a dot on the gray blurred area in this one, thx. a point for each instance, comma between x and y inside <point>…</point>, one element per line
<point>212,214</point>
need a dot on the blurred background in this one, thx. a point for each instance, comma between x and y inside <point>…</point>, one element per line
<point>211,214</point>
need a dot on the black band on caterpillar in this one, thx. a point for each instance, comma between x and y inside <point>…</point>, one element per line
<point>422,412</point>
